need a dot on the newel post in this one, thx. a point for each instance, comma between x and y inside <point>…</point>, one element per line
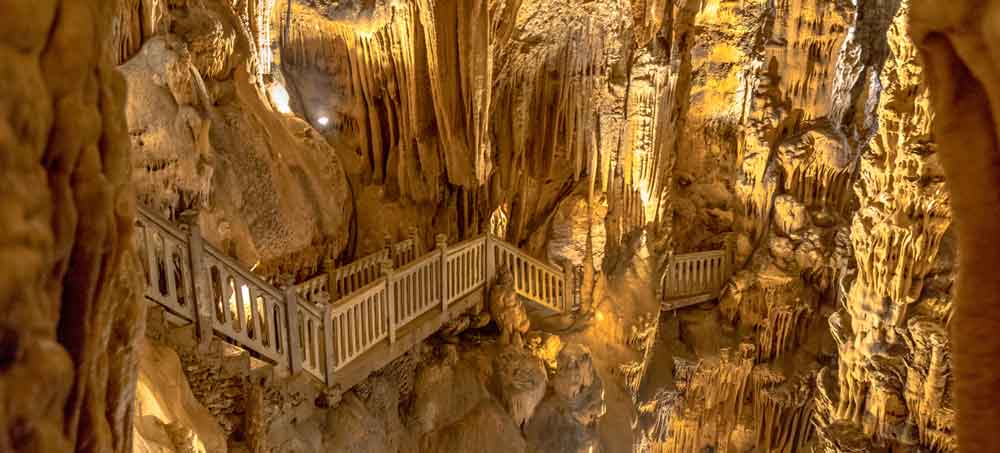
<point>292,325</point>
<point>389,252</point>
<point>199,280</point>
<point>331,281</point>
<point>442,248</point>
<point>390,297</point>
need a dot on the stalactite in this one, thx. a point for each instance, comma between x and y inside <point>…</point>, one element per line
<point>893,373</point>
<point>135,21</point>
<point>543,115</point>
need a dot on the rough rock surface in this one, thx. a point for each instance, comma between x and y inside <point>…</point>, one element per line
<point>263,186</point>
<point>799,135</point>
<point>894,365</point>
<point>69,285</point>
<point>956,43</point>
<point>168,418</point>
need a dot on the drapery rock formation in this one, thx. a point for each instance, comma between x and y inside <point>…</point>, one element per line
<point>69,286</point>
<point>208,149</point>
<point>892,387</point>
<point>801,138</point>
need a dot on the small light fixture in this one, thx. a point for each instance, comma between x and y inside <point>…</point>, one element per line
<point>323,121</point>
<point>279,97</point>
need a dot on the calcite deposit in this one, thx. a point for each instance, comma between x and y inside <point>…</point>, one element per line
<point>821,176</point>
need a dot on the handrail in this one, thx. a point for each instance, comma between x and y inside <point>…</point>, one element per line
<point>698,255</point>
<point>234,266</point>
<point>537,262</point>
<point>297,329</point>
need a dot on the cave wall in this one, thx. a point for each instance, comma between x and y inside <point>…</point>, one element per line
<point>208,147</point>
<point>69,289</point>
<point>893,384</point>
<point>815,159</point>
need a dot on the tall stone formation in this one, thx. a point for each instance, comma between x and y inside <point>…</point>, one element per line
<point>892,384</point>
<point>773,178</point>
<point>68,284</point>
<point>803,137</point>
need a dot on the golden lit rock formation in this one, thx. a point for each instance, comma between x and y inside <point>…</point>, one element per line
<point>795,165</point>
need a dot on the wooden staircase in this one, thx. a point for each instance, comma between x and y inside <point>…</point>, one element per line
<point>385,303</point>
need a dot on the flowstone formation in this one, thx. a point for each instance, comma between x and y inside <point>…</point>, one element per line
<point>892,388</point>
<point>209,150</point>
<point>798,135</point>
<point>601,136</point>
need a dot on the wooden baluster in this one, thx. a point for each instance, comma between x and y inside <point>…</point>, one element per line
<point>341,338</point>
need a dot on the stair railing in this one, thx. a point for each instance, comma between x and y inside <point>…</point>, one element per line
<point>296,328</point>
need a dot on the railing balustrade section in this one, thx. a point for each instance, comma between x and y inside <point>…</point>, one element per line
<point>164,254</point>
<point>415,288</point>
<point>359,323</point>
<point>298,328</point>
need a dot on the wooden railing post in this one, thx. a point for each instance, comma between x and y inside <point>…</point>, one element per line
<point>292,325</point>
<point>491,262</point>
<point>442,248</point>
<point>387,245</point>
<point>199,280</point>
<point>390,296</point>
<point>327,341</point>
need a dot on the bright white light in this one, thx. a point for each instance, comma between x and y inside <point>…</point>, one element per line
<point>323,121</point>
<point>279,97</point>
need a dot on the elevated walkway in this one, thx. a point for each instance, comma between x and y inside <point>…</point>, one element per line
<point>385,303</point>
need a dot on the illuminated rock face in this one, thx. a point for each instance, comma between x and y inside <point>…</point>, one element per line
<point>205,146</point>
<point>893,380</point>
<point>838,196</point>
<point>796,133</point>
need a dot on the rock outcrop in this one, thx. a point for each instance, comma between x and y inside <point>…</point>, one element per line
<point>893,381</point>
<point>69,281</point>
